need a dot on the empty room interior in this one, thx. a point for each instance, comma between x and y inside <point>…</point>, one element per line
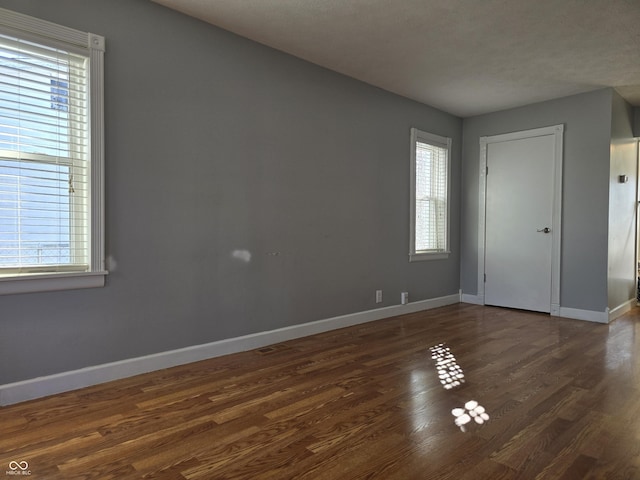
<point>278,239</point>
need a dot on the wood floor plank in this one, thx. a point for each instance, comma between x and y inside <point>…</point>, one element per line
<point>363,402</point>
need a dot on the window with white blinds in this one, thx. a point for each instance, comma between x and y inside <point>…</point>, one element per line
<point>50,150</point>
<point>429,196</point>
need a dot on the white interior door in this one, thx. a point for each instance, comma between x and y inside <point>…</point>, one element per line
<point>519,223</point>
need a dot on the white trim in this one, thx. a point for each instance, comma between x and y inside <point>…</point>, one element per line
<point>473,299</point>
<point>43,386</point>
<point>482,215</point>
<point>90,46</point>
<point>51,282</point>
<point>556,250</point>
<point>588,315</point>
<point>557,131</point>
<point>430,138</point>
<point>96,80</point>
<point>558,311</point>
<point>418,257</point>
<point>42,29</point>
<point>621,309</point>
<point>440,142</point>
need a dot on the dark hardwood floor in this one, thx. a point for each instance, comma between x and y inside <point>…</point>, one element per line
<point>364,402</point>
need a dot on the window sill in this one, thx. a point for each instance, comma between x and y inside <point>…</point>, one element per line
<point>419,257</point>
<point>48,282</point>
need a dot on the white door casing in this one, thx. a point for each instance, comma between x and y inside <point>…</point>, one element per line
<point>521,195</point>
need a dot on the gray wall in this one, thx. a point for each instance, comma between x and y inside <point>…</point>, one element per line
<point>587,121</point>
<point>215,144</point>
<point>622,271</point>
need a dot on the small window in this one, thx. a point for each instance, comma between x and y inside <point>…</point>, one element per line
<point>430,159</point>
<point>51,156</point>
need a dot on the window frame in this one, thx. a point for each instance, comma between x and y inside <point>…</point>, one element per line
<point>440,142</point>
<point>92,47</point>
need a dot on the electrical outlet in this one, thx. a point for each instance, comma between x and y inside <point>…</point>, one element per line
<point>378,296</point>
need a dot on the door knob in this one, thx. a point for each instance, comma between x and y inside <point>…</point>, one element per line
<point>544,230</point>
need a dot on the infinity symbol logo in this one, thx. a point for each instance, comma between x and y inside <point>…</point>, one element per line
<point>13,465</point>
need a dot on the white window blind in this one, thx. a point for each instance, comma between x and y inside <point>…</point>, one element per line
<point>431,197</point>
<point>44,158</point>
<point>430,205</point>
<point>51,156</point>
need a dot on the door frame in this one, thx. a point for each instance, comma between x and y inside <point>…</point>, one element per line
<point>557,131</point>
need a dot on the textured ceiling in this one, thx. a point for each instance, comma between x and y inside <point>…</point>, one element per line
<point>466,57</point>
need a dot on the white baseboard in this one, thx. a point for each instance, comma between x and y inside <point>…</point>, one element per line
<point>609,315</point>
<point>557,310</point>
<point>588,315</point>
<point>473,299</point>
<point>62,382</point>
<point>621,309</point>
